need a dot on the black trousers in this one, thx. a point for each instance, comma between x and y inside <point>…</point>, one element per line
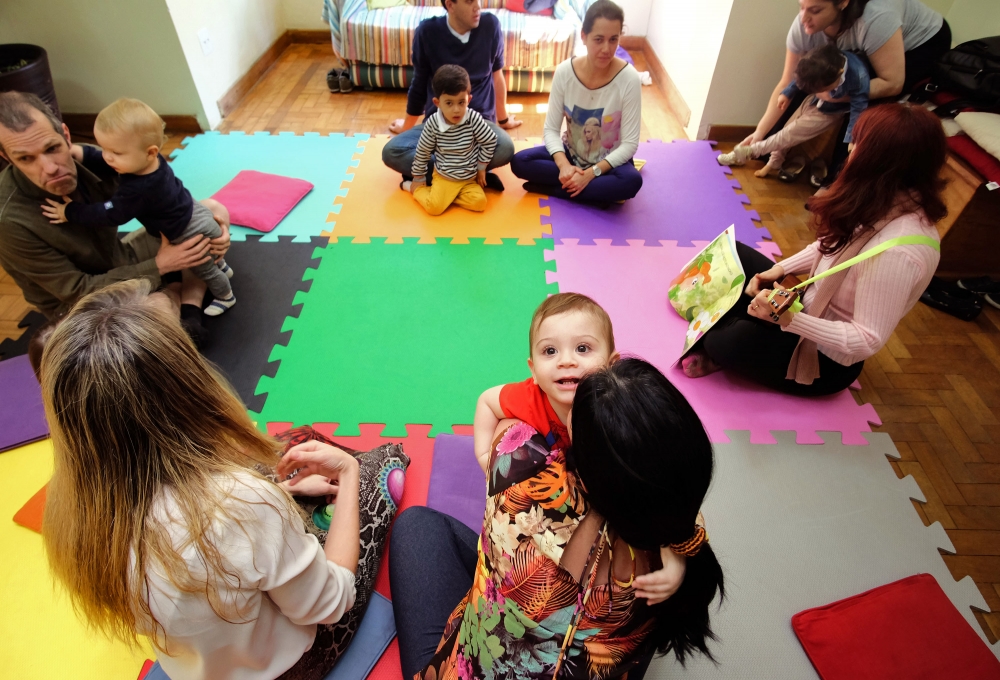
<point>760,351</point>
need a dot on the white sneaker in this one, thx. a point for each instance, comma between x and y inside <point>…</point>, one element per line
<point>738,156</point>
<point>218,306</point>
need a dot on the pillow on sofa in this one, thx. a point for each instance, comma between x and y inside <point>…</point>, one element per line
<point>541,7</point>
<point>984,128</point>
<point>383,4</point>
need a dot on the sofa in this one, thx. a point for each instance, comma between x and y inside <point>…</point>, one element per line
<point>377,43</point>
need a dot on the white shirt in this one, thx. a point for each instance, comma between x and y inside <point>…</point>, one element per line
<point>281,578</point>
<point>464,37</point>
<point>601,124</point>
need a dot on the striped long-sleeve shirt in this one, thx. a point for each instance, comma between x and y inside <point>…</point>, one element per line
<point>460,149</point>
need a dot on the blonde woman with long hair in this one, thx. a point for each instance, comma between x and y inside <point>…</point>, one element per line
<point>156,521</point>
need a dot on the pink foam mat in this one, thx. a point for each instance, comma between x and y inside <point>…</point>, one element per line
<point>631,283</point>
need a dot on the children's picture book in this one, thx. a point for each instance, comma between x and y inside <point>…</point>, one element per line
<point>708,286</point>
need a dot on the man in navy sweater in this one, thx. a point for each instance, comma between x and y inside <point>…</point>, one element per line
<point>472,40</point>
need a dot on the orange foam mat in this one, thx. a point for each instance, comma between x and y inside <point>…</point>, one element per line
<point>375,206</point>
<point>30,514</point>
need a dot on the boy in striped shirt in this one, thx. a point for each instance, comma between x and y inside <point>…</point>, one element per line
<point>462,144</point>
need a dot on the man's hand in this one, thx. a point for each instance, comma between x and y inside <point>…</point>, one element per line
<point>511,123</point>
<point>56,211</point>
<point>481,177</point>
<point>403,124</point>
<point>783,102</point>
<point>174,258</point>
<point>220,244</point>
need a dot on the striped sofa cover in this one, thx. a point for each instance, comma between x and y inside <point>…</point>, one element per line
<point>377,44</point>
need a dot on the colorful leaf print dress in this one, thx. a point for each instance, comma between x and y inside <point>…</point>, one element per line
<point>513,622</point>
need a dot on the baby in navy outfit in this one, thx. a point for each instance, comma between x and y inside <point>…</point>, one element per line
<point>130,134</point>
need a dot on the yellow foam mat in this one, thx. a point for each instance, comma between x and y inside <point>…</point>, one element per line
<point>41,637</point>
<point>376,206</point>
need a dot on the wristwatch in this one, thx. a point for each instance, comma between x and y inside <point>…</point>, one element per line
<point>596,169</point>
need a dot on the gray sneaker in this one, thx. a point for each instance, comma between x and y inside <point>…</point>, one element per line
<point>345,81</point>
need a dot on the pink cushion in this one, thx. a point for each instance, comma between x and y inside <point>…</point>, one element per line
<point>260,201</point>
<point>907,629</point>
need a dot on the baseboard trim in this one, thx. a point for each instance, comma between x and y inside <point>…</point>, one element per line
<point>82,124</point>
<point>235,94</point>
<point>675,101</point>
<point>730,133</point>
<point>308,37</point>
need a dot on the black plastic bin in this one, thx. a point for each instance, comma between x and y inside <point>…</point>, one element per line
<point>25,68</point>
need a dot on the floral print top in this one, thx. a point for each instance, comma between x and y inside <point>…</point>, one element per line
<point>513,622</point>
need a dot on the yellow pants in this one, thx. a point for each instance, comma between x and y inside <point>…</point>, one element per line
<point>443,192</point>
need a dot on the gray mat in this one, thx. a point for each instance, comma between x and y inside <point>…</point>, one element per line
<point>799,526</point>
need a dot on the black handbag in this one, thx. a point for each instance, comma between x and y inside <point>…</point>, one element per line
<point>972,70</point>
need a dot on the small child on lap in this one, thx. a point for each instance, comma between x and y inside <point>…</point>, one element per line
<point>463,145</point>
<point>130,135</point>
<point>828,75</point>
<point>570,336</point>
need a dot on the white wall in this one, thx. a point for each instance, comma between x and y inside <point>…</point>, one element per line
<point>240,30</point>
<point>304,15</point>
<point>636,15</point>
<point>971,19</point>
<point>750,63</point>
<point>686,36</point>
<point>99,51</point>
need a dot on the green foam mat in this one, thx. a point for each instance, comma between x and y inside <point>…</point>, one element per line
<point>405,334</point>
<point>209,161</point>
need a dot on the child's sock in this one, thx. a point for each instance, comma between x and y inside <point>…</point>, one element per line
<point>226,269</point>
<point>220,305</point>
<point>738,156</point>
<point>405,185</point>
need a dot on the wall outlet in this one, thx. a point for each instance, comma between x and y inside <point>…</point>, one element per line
<point>205,38</point>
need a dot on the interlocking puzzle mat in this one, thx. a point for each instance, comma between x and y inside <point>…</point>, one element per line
<point>405,334</point>
<point>11,348</point>
<point>631,283</point>
<point>22,415</point>
<point>796,527</point>
<point>686,196</point>
<point>377,630</point>
<point>458,486</point>
<point>267,275</point>
<point>40,635</point>
<point>209,161</point>
<point>376,206</point>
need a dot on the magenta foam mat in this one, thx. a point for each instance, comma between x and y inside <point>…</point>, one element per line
<point>686,196</point>
<point>631,283</point>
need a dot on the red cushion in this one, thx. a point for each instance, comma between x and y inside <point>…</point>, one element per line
<point>979,158</point>
<point>518,6</point>
<point>907,629</point>
<point>259,200</point>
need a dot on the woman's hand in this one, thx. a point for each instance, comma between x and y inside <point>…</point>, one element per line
<point>761,308</point>
<point>567,172</point>
<point>578,182</point>
<point>316,458</point>
<point>760,281</point>
<point>310,485</point>
<point>657,586</point>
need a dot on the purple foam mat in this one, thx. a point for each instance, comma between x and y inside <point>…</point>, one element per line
<point>631,283</point>
<point>458,486</point>
<point>22,416</point>
<point>686,196</point>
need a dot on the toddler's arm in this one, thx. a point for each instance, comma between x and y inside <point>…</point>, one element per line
<point>93,159</point>
<point>425,147</point>
<point>123,207</point>
<point>488,415</point>
<point>859,102</point>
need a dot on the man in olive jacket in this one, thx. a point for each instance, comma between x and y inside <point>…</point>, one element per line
<point>57,264</point>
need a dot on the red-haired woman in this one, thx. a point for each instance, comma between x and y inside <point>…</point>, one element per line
<point>889,188</point>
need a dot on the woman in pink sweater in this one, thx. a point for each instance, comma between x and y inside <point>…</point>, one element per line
<point>890,187</point>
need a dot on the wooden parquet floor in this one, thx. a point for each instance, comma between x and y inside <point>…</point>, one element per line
<point>936,385</point>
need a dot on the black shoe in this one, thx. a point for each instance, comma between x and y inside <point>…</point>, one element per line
<point>333,79</point>
<point>535,188</point>
<point>493,182</point>
<point>993,299</point>
<point>951,299</point>
<point>981,285</point>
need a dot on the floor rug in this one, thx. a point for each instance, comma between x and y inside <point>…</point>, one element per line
<point>796,527</point>
<point>40,635</point>
<point>631,283</point>
<point>376,206</point>
<point>266,279</point>
<point>405,334</point>
<point>22,415</point>
<point>687,196</point>
<point>209,161</point>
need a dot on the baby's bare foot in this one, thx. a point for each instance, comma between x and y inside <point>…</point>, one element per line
<point>764,172</point>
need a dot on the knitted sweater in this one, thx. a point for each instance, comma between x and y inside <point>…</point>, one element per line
<point>875,295</point>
